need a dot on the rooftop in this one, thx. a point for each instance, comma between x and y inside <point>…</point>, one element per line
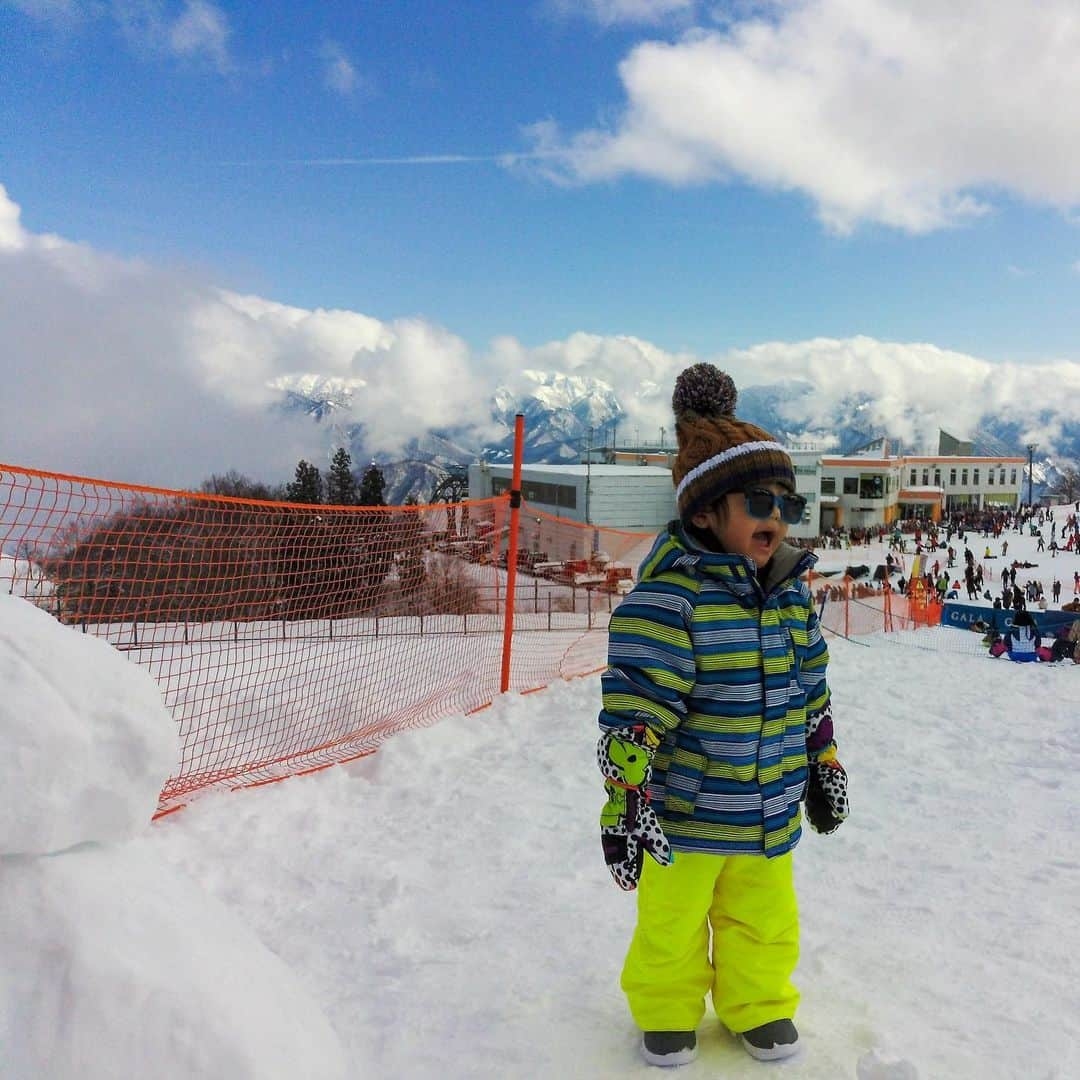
<point>583,470</point>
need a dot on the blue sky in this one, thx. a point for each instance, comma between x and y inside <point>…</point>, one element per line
<point>114,137</point>
<point>703,177</point>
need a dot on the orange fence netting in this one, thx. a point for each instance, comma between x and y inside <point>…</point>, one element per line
<point>284,637</point>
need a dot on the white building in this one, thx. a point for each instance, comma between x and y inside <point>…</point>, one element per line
<point>638,498</point>
<point>868,490</point>
<point>975,483</point>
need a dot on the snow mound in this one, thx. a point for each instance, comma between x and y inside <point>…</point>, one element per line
<point>116,966</point>
<point>88,743</point>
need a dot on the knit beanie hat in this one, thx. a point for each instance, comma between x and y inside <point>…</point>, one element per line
<point>717,452</point>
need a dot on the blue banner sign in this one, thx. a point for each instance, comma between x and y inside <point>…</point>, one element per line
<point>961,616</point>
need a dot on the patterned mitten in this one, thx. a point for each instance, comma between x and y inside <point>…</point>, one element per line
<point>628,824</point>
<point>826,785</point>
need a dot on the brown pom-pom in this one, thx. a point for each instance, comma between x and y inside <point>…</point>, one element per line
<point>705,390</point>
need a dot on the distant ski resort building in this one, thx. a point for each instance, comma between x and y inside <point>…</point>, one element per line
<point>630,487</point>
<point>638,498</point>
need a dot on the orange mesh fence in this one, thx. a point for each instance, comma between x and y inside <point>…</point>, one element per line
<point>570,577</point>
<point>285,638</point>
<point>855,608</point>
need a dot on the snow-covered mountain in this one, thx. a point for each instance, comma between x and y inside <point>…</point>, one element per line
<point>564,414</point>
<point>559,412</point>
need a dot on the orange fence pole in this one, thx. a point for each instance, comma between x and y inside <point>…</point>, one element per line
<point>512,551</point>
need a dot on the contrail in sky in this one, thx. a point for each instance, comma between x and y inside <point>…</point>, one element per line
<point>418,159</point>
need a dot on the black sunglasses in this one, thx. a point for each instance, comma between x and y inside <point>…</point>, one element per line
<point>760,503</point>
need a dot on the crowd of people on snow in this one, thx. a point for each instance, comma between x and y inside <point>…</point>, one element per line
<point>946,542</point>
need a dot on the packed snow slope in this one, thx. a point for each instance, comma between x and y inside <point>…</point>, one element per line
<point>446,903</point>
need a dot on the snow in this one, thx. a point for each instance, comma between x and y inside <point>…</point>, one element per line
<point>88,743</point>
<point>25,578</point>
<point>114,963</point>
<point>443,903</point>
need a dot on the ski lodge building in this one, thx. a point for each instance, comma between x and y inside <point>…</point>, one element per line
<point>630,488</point>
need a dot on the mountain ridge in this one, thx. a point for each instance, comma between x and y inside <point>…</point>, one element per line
<point>565,414</point>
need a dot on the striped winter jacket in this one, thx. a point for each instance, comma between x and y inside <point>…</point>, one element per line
<point>726,671</point>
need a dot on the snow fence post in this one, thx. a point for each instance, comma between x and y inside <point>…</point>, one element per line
<point>511,553</point>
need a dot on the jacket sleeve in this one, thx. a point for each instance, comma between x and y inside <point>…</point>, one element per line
<point>814,660</point>
<point>651,668</point>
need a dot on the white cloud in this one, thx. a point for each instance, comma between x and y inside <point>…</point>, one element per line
<point>116,368</point>
<point>120,369</point>
<point>103,376</point>
<point>201,29</point>
<point>613,12</point>
<point>910,113</point>
<point>339,72</point>
<point>915,387</point>
<point>12,235</point>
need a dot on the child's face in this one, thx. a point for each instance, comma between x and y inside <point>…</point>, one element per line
<point>741,534</point>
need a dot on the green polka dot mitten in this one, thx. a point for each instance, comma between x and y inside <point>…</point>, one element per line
<point>628,824</point>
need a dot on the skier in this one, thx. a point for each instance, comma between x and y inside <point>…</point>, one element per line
<point>716,706</point>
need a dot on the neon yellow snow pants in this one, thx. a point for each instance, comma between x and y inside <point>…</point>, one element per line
<point>749,904</point>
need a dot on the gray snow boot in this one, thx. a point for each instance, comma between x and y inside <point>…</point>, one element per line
<point>772,1041</point>
<point>669,1047</point>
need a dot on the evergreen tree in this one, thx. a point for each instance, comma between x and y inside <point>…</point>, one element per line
<point>308,485</point>
<point>1068,484</point>
<point>372,487</point>
<point>340,485</point>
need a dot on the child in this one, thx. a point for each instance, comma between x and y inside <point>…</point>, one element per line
<point>716,723</point>
<point>1023,639</point>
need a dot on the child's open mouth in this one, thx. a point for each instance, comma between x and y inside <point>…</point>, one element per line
<point>763,540</point>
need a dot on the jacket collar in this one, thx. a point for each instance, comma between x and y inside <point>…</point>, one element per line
<point>675,549</point>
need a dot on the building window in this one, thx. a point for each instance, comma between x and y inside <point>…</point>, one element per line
<point>1012,476</point>
<point>975,477</point>
<point>925,477</point>
<point>562,496</point>
<point>937,478</point>
<point>851,485</point>
<point>963,478</point>
<point>871,486</point>
<point>828,485</point>
<point>952,478</point>
<point>912,479</point>
<point>990,477</point>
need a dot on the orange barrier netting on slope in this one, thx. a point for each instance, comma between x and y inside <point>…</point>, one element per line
<point>854,608</point>
<point>284,637</point>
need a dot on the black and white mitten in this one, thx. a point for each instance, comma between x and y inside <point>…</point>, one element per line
<point>826,784</point>
<point>628,824</point>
